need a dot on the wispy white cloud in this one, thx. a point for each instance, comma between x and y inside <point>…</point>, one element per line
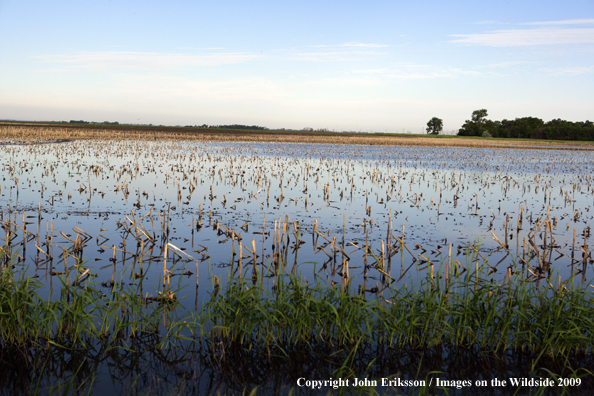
<point>112,60</point>
<point>544,33</point>
<point>565,22</point>
<point>528,37</point>
<point>200,49</point>
<point>490,23</point>
<point>363,45</point>
<point>338,82</point>
<point>157,86</point>
<point>502,65</point>
<point>571,70</point>
<point>351,51</point>
<point>153,61</point>
<point>416,72</point>
<point>352,44</point>
<point>332,55</point>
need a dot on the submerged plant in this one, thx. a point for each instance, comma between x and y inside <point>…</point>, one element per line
<point>470,311</point>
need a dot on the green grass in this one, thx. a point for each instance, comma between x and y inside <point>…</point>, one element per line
<point>316,322</point>
<point>496,318</point>
<point>78,315</point>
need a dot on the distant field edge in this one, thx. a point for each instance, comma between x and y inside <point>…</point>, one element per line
<point>40,132</point>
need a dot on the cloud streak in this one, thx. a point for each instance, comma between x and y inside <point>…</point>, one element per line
<point>332,56</point>
<point>354,44</point>
<point>503,65</point>
<point>546,33</point>
<point>565,22</point>
<point>571,70</point>
<point>418,72</point>
<point>154,61</point>
<point>156,86</point>
<point>351,51</point>
<point>112,60</point>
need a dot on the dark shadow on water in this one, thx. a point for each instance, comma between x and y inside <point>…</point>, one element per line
<point>215,367</point>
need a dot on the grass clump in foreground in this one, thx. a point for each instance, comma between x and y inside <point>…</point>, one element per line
<point>471,312</point>
<point>81,314</point>
<point>510,329</point>
<point>295,327</point>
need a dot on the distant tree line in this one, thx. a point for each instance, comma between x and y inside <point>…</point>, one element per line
<point>237,126</point>
<point>234,126</point>
<point>478,125</point>
<point>308,129</point>
<point>93,122</point>
<point>526,128</point>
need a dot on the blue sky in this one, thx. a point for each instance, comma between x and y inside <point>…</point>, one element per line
<point>342,65</point>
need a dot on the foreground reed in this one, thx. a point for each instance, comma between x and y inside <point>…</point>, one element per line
<point>79,316</point>
<point>535,327</point>
<point>471,312</point>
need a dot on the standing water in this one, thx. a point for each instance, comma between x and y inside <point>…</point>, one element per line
<point>180,222</point>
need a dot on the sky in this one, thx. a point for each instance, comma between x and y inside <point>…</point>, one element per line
<point>385,66</point>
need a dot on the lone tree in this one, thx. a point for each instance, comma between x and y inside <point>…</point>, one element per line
<point>434,126</point>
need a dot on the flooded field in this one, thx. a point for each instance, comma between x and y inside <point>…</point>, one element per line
<point>121,203</point>
<point>200,216</point>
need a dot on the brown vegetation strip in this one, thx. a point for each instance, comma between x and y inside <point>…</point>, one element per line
<point>41,133</point>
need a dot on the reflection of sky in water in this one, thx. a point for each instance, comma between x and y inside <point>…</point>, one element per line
<point>432,191</point>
